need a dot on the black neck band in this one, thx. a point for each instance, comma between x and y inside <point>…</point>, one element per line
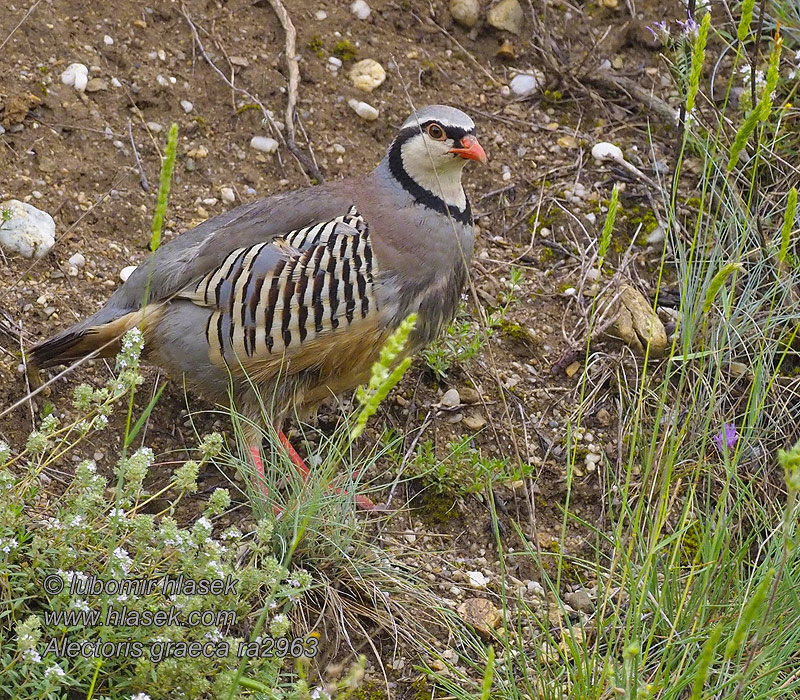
<point>422,196</point>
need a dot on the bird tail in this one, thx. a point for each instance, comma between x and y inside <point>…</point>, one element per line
<point>92,335</point>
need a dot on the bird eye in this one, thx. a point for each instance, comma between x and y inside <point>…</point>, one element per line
<point>436,132</point>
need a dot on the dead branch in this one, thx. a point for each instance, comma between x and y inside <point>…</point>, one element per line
<point>307,162</point>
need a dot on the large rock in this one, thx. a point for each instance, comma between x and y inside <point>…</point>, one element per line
<point>506,15</point>
<point>29,232</point>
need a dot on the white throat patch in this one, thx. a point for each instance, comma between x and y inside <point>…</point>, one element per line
<point>444,181</point>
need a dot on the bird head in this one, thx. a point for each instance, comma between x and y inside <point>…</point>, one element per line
<point>431,149</point>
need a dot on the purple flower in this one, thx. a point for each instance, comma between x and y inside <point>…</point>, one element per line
<point>689,27</point>
<point>660,30</point>
<point>728,436</point>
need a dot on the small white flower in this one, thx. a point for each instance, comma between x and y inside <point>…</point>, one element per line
<point>80,604</point>
<point>122,556</point>
<point>77,521</point>
<point>7,545</point>
<point>140,696</point>
<point>54,671</point>
<point>32,655</point>
<point>122,597</point>
<point>116,514</point>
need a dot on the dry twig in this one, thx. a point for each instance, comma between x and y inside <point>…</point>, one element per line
<point>294,79</point>
<point>142,176</point>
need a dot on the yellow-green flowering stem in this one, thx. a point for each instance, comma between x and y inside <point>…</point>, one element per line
<point>163,186</point>
<point>384,378</point>
<point>698,58</point>
<point>608,226</point>
<point>788,223</point>
<point>747,18</point>
<point>748,616</point>
<point>716,284</point>
<point>704,663</point>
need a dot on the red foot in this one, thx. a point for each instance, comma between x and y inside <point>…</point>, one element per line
<point>362,502</point>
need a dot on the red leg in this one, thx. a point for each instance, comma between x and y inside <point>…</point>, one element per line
<point>362,502</point>
<point>255,454</point>
<point>296,459</point>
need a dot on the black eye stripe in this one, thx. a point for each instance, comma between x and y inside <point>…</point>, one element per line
<point>452,132</point>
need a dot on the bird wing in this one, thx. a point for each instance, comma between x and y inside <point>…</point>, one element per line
<point>185,259</point>
<point>293,299</point>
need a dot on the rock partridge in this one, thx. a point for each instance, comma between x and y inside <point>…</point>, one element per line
<point>288,300</point>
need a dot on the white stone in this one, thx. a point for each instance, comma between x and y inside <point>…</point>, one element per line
<point>606,151</point>
<point>107,40</point>
<point>227,195</point>
<point>320,15</point>
<point>477,579</point>
<point>77,260</point>
<point>535,589</point>
<point>30,232</point>
<point>265,144</point>
<point>76,75</point>
<point>451,399</point>
<point>126,272</point>
<point>367,74</point>
<point>523,84</point>
<point>115,82</point>
<point>335,61</point>
<point>657,235</point>
<point>366,111</point>
<point>155,127</point>
<point>465,12</point>
<point>187,106</point>
<point>360,9</point>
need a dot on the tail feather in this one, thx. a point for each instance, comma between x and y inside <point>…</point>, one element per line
<point>85,338</point>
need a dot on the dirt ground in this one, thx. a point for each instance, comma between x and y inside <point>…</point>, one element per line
<point>538,202</point>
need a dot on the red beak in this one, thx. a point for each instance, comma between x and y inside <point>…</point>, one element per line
<point>471,149</point>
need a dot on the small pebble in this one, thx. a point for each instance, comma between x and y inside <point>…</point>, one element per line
<point>524,84</point>
<point>477,579</point>
<point>76,75</point>
<point>155,127</point>
<point>107,40</point>
<point>451,399</point>
<point>465,12</point>
<point>265,144</point>
<point>320,15</point>
<point>606,151</point>
<point>367,74</point>
<point>360,9</point>
<point>227,195</point>
<point>115,83</point>
<point>187,106</point>
<point>366,111</point>
<point>210,201</point>
<point>77,260</point>
<point>335,61</point>
<point>126,272</point>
